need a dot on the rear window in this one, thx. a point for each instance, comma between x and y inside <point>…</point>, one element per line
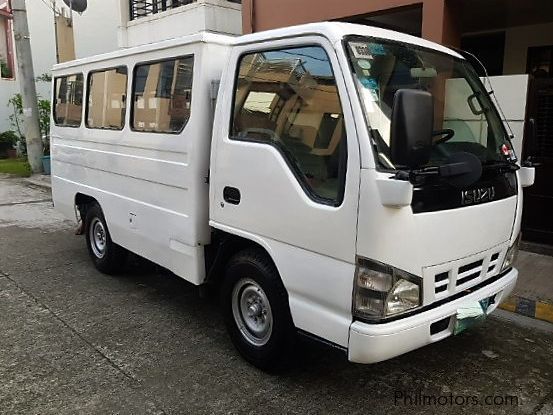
<point>68,100</point>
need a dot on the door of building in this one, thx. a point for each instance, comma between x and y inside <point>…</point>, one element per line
<point>537,220</point>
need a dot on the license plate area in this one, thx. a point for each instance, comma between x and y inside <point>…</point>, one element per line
<point>471,314</point>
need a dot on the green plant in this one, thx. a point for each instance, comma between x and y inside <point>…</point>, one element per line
<point>16,121</point>
<point>45,77</point>
<point>8,140</point>
<point>44,108</point>
<point>16,118</point>
<point>8,137</point>
<point>5,71</point>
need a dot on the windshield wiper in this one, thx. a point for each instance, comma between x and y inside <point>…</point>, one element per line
<point>501,165</point>
<point>419,176</point>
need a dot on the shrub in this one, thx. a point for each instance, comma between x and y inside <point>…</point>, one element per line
<point>8,139</point>
<point>5,71</point>
<point>16,120</point>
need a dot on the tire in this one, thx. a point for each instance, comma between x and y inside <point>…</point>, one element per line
<point>108,257</point>
<point>256,309</point>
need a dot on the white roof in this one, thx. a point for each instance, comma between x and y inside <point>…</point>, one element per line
<point>200,37</point>
<point>334,31</point>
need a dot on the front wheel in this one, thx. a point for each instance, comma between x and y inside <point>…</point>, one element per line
<point>107,256</point>
<point>257,314</point>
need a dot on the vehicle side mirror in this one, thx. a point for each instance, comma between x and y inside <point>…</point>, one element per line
<point>411,128</point>
<point>527,176</point>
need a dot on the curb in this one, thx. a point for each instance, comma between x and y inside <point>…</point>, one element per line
<point>539,310</point>
<point>38,181</point>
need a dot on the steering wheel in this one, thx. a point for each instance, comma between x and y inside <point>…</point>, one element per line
<point>447,134</point>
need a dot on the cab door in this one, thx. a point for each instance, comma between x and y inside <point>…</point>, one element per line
<point>285,172</point>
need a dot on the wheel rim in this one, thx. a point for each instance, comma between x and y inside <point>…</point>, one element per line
<point>98,238</point>
<point>252,312</point>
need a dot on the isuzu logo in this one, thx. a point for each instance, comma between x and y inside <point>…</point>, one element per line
<point>480,195</point>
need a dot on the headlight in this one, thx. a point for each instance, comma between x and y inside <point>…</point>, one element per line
<point>511,256</point>
<point>382,291</point>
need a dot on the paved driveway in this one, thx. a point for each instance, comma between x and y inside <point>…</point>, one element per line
<point>75,341</point>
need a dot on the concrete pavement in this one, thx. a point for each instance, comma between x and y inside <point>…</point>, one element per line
<point>73,340</point>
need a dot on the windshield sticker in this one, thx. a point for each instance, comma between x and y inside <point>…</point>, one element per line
<point>369,83</point>
<point>368,100</point>
<point>376,49</point>
<point>364,64</point>
<point>371,88</point>
<point>360,50</point>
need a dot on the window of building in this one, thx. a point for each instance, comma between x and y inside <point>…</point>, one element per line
<point>107,98</point>
<point>289,99</point>
<point>7,69</point>
<point>143,8</point>
<point>68,100</point>
<point>162,95</point>
<point>540,62</point>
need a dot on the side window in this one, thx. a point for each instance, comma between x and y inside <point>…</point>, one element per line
<point>162,95</point>
<point>68,100</point>
<point>107,97</point>
<point>288,98</point>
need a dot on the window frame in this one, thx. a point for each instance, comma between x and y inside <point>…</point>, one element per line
<point>354,37</point>
<point>54,98</point>
<point>133,85</point>
<point>299,175</point>
<point>88,78</point>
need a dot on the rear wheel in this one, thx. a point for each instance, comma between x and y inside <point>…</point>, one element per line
<point>107,256</point>
<point>256,309</point>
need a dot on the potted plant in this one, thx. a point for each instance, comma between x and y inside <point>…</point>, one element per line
<point>8,139</point>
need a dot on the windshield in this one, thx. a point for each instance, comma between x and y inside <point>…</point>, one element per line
<point>464,116</point>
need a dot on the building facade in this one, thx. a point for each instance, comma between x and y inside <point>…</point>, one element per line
<point>105,26</point>
<point>513,39</point>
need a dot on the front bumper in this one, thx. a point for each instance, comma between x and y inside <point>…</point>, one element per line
<point>371,343</point>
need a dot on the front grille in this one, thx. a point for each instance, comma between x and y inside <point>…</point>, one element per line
<point>469,272</point>
<point>465,273</point>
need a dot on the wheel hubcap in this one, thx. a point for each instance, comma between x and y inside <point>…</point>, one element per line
<point>252,312</point>
<point>98,238</point>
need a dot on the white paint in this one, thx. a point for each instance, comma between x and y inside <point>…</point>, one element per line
<point>394,193</point>
<point>527,176</point>
<point>157,203</point>
<point>158,178</point>
<point>214,15</point>
<point>374,343</point>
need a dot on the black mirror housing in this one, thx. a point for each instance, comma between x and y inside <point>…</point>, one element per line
<point>412,125</point>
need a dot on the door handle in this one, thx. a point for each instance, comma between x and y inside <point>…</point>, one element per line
<point>231,195</point>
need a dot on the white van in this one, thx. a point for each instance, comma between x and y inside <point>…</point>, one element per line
<point>349,183</point>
